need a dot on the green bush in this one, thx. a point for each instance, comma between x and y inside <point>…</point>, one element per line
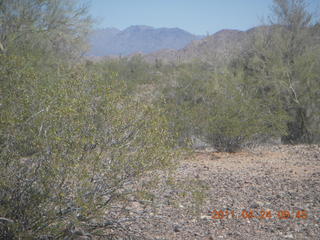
<point>221,108</point>
<point>283,59</point>
<point>71,141</point>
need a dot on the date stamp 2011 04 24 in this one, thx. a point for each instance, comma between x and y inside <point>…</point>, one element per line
<point>262,214</point>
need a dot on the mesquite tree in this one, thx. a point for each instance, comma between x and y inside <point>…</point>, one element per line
<point>283,62</point>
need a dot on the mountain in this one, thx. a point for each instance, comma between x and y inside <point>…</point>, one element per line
<point>100,38</point>
<point>142,39</point>
<point>216,49</point>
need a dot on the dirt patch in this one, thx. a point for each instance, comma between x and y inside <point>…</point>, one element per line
<point>270,192</point>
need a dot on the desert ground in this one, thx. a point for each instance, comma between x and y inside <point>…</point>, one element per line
<point>265,192</point>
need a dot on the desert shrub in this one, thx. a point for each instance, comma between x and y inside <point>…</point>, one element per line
<point>71,141</point>
<point>52,27</point>
<point>283,59</point>
<point>220,108</point>
<point>133,71</point>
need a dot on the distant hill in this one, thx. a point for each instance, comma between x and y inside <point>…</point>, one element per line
<point>137,39</point>
<point>216,49</point>
<point>101,38</point>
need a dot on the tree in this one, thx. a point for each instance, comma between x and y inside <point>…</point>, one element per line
<point>283,61</point>
<point>219,108</point>
<point>54,27</point>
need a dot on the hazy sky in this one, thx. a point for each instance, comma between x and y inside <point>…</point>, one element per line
<point>195,16</point>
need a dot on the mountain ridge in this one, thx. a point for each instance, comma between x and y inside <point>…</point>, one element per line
<point>216,49</point>
<point>137,38</point>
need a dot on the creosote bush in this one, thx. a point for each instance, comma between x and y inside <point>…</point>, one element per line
<point>221,108</point>
<point>70,142</point>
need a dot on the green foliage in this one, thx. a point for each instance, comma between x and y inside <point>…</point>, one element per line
<point>71,140</point>
<point>221,108</point>
<point>284,60</point>
<point>76,139</point>
<point>47,27</point>
<point>134,71</point>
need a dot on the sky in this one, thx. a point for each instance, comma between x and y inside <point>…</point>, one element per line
<point>200,17</point>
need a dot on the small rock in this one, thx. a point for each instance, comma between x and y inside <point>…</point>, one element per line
<point>289,236</point>
<point>176,228</point>
<point>255,205</point>
<point>206,217</point>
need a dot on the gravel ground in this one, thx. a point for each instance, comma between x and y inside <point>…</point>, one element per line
<point>244,195</point>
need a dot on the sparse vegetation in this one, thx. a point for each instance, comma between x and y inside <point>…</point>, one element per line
<point>220,108</point>
<point>79,139</point>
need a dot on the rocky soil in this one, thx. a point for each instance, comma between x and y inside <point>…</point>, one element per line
<point>268,192</point>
